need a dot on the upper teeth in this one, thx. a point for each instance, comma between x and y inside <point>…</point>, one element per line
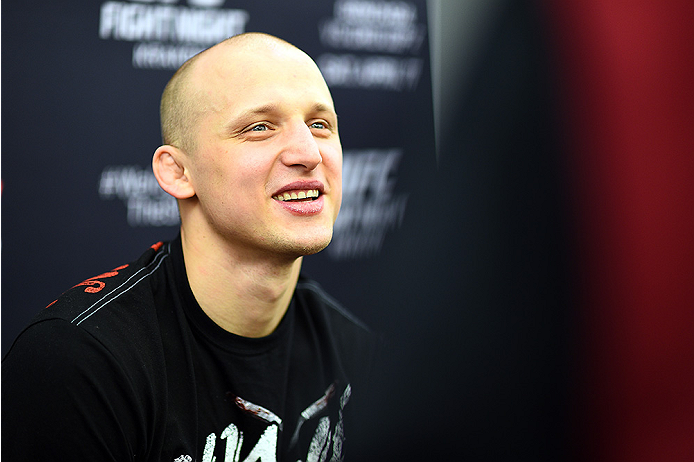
<point>307,194</point>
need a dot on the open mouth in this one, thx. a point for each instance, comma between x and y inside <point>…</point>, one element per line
<point>299,195</point>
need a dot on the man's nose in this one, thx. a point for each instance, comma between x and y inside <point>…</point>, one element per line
<point>301,148</point>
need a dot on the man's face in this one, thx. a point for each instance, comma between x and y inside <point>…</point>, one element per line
<point>267,163</point>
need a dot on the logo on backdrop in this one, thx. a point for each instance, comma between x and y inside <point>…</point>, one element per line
<point>383,39</point>
<point>166,34</point>
<point>147,204</point>
<point>370,206</point>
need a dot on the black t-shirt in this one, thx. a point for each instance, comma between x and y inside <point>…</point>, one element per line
<point>127,366</point>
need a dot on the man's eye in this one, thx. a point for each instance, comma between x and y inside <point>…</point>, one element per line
<point>318,125</point>
<point>259,128</point>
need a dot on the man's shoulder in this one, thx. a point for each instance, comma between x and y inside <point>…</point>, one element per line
<point>94,355</point>
<point>356,345</point>
<point>108,315</point>
<point>346,331</point>
<point>315,296</point>
<point>118,286</point>
<point>114,309</point>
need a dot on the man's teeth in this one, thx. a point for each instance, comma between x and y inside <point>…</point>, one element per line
<point>297,195</point>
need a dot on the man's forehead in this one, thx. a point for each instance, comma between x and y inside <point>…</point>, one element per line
<point>240,63</point>
<point>236,73</point>
<point>249,53</point>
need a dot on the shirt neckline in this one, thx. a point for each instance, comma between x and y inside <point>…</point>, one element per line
<point>222,338</point>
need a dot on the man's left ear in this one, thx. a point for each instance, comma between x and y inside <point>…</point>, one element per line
<point>170,173</point>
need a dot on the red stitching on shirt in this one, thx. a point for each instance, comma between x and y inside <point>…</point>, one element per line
<point>95,284</point>
<point>157,246</point>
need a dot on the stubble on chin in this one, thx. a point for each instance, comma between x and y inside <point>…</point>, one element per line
<point>305,247</point>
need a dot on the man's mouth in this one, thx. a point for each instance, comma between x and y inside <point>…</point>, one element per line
<point>298,195</point>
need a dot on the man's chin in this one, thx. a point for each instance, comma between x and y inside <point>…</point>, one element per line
<point>314,249</point>
<point>310,246</point>
<point>316,246</point>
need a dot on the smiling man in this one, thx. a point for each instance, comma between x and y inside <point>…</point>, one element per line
<point>212,346</point>
<point>256,164</point>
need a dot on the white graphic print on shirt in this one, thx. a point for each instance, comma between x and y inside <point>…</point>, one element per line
<point>325,443</point>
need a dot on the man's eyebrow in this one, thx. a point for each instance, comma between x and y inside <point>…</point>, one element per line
<point>264,109</point>
<point>272,108</point>
<point>320,107</point>
<point>236,122</point>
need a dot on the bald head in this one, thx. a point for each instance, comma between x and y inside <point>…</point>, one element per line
<point>185,98</point>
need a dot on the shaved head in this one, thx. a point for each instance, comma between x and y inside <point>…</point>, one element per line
<point>183,101</point>
<point>244,123</point>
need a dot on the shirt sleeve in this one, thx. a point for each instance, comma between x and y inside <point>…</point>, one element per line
<point>66,397</point>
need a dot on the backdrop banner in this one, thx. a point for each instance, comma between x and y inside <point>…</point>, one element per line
<point>81,86</point>
<point>456,254</point>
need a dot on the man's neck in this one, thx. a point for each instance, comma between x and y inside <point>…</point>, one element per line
<point>245,296</point>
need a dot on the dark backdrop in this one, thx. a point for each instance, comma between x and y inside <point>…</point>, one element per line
<point>457,258</point>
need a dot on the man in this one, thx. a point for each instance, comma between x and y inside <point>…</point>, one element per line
<point>212,346</point>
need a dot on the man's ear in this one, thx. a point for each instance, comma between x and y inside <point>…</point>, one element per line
<point>170,173</point>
